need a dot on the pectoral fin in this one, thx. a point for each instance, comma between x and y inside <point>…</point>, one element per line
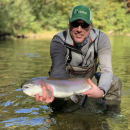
<point>74,98</point>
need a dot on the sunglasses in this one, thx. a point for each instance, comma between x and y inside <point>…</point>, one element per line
<point>76,24</point>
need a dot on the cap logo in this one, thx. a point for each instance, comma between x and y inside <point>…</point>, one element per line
<point>79,11</point>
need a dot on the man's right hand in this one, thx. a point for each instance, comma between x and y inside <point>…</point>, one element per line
<point>47,97</point>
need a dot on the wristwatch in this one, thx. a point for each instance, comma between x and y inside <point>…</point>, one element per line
<point>103,92</point>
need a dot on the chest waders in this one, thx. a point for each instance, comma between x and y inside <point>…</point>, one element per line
<point>81,62</point>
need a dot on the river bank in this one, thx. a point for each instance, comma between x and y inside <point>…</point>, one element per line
<point>47,35</point>
<point>41,35</point>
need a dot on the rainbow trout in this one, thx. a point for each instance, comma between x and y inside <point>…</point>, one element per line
<point>61,88</point>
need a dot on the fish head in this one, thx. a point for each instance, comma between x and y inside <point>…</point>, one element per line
<point>32,89</point>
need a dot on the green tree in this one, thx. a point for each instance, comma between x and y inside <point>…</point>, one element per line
<point>35,15</point>
<point>15,15</point>
<point>109,15</point>
<point>53,14</point>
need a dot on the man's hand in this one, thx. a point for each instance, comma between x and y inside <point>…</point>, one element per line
<point>94,92</point>
<point>47,97</point>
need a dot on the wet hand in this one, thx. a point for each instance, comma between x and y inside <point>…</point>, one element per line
<point>47,97</point>
<point>94,92</point>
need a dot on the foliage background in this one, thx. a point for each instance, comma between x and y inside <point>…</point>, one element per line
<point>23,16</point>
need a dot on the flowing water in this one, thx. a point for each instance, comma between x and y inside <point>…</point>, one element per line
<point>21,60</point>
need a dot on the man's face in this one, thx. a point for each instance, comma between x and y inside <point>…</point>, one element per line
<point>79,34</point>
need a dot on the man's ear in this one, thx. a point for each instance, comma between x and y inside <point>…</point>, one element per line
<point>70,26</point>
<point>92,25</point>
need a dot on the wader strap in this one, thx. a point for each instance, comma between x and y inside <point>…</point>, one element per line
<point>69,56</point>
<point>82,102</point>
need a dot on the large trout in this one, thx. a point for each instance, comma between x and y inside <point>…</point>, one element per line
<point>61,88</point>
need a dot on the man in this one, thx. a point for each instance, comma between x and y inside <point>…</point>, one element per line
<point>75,53</point>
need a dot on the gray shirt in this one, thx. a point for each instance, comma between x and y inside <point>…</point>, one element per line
<point>58,52</point>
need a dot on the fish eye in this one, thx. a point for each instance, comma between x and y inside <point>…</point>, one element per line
<point>26,87</point>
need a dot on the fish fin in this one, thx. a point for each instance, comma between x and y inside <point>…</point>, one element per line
<point>74,98</point>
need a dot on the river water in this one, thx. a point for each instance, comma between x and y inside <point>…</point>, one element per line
<point>24,59</point>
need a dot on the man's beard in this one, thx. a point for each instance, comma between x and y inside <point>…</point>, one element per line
<point>78,43</point>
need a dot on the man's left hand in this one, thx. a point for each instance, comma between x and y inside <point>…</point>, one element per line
<point>94,92</point>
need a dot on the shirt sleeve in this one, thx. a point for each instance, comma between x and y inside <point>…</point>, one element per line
<point>58,53</point>
<point>105,65</point>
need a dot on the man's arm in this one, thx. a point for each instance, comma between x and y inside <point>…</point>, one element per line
<point>58,70</point>
<point>58,53</point>
<point>105,65</point>
<point>104,56</point>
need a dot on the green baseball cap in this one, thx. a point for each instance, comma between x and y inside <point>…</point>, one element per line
<point>81,12</point>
